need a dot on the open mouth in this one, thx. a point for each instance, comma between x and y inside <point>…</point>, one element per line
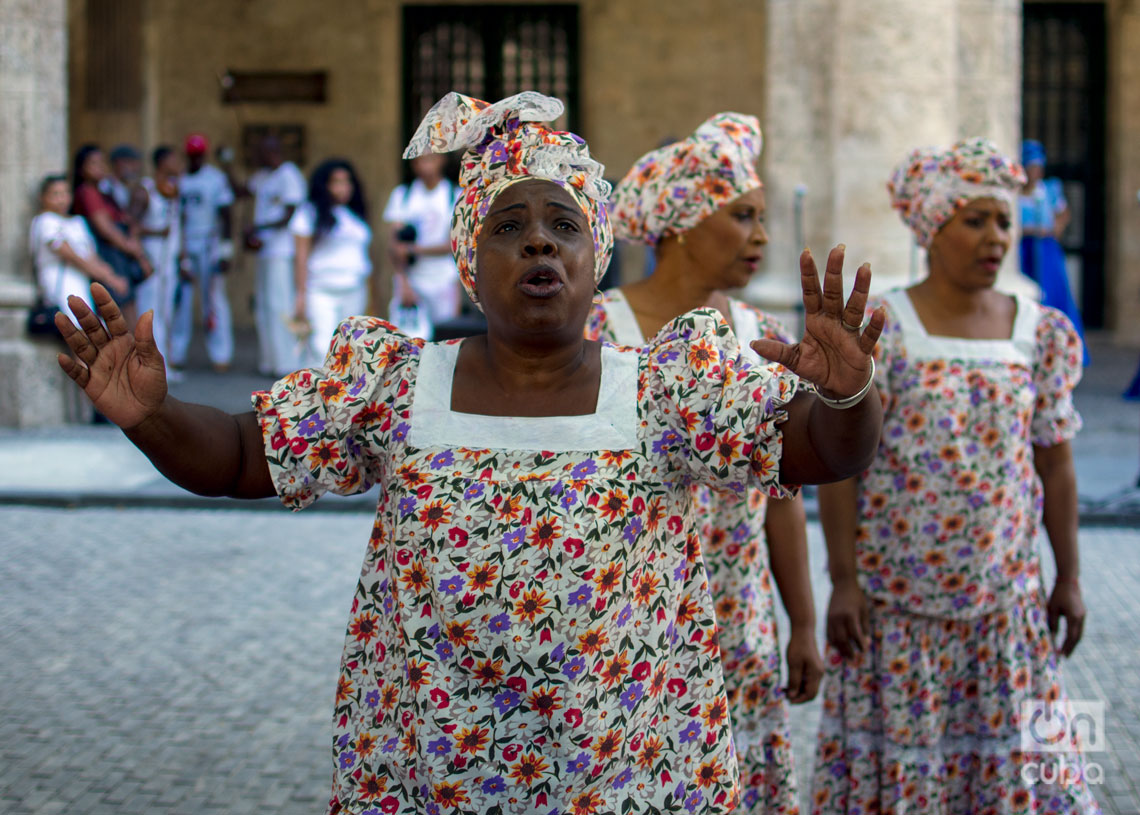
<point>541,281</point>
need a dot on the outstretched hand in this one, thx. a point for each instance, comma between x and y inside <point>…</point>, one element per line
<point>835,351</point>
<point>124,375</point>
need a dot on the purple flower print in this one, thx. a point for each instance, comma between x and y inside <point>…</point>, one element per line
<point>494,784</point>
<point>584,468</point>
<point>444,650</point>
<point>500,622</point>
<point>444,459</point>
<point>581,595</point>
<point>407,505</point>
<point>669,438</point>
<point>472,492</point>
<point>624,615</point>
<point>579,764</point>
<point>311,426</point>
<point>401,431</point>
<point>623,778</point>
<point>574,668</point>
<point>633,529</point>
<point>347,759</point>
<point>514,539</point>
<point>373,698</point>
<point>440,747</point>
<point>451,585</point>
<point>507,701</point>
<point>631,696</point>
<point>692,732</point>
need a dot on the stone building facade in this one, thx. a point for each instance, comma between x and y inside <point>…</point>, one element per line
<point>842,87</point>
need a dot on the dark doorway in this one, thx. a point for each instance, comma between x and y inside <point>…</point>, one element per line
<point>489,51</point>
<point>1063,107</point>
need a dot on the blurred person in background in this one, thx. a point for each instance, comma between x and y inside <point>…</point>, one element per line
<point>1044,217</point>
<point>941,630</point>
<point>63,250</point>
<point>277,194</point>
<point>331,265</point>
<point>419,244</point>
<point>115,233</point>
<point>122,182</point>
<point>160,227</point>
<point>699,204</point>
<point>207,201</point>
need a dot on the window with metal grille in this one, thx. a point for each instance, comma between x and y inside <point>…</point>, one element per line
<point>1063,107</point>
<point>489,51</point>
<point>114,55</point>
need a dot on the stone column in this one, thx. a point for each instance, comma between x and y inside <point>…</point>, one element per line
<point>852,86</point>
<point>33,131</point>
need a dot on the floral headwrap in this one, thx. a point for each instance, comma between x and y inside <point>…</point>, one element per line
<point>506,143</point>
<point>672,189</point>
<point>931,185</point>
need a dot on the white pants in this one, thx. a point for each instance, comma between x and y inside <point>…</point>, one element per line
<point>278,347</point>
<point>438,294</point>
<point>326,309</point>
<point>156,294</point>
<point>211,285</point>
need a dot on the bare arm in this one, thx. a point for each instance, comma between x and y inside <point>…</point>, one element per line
<point>786,528</point>
<point>822,443</point>
<point>1054,465</point>
<point>848,617</point>
<point>197,447</point>
<point>93,267</point>
<point>302,244</point>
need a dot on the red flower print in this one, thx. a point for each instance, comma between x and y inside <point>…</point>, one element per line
<point>435,515</point>
<point>418,674</point>
<point>472,739</point>
<point>593,641</point>
<point>460,633</point>
<point>645,588</point>
<point>410,476</point>
<point>616,458</point>
<point>529,769</point>
<point>586,804</point>
<point>614,504</point>
<point>364,627</point>
<point>709,773</point>
<point>489,672</point>
<point>482,577</point>
<point>371,787</point>
<point>608,745</point>
<point>615,669</point>
<point>344,688</point>
<point>545,532</point>
<point>531,605</point>
<point>415,577</point>
<point>727,447</point>
<point>449,793</point>
<point>545,701</point>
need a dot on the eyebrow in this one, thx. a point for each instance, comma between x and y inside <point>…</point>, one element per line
<point>521,205</point>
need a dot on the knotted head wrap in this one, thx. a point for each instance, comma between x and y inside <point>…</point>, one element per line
<point>931,185</point>
<point>673,188</point>
<point>505,143</point>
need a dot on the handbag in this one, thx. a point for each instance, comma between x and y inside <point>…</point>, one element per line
<point>41,316</point>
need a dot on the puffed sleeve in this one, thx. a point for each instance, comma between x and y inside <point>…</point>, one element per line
<point>327,429</point>
<point>1056,371</point>
<point>721,413</point>
<point>889,353</point>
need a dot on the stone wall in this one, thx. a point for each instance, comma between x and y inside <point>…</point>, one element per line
<point>1123,172</point>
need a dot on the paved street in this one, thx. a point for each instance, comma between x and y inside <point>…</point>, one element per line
<point>173,661</point>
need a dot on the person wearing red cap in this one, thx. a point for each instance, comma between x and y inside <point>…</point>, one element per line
<point>206,201</point>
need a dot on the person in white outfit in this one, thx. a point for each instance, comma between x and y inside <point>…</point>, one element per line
<point>419,217</point>
<point>160,228</point>
<point>207,251</point>
<point>331,265</point>
<point>63,250</point>
<point>277,194</point>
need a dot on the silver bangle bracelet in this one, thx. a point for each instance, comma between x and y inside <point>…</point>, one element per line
<point>849,401</point>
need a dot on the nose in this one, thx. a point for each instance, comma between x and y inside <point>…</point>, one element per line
<point>538,241</point>
<point>759,234</point>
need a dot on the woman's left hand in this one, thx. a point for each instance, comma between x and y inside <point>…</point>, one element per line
<point>1066,602</point>
<point>300,307</point>
<point>805,666</point>
<point>835,352</point>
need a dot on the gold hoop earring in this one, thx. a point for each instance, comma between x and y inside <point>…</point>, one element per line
<point>681,239</point>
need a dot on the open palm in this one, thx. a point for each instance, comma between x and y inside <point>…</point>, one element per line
<point>835,351</point>
<point>123,374</point>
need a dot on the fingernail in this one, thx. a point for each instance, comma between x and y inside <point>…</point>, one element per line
<point>842,247</point>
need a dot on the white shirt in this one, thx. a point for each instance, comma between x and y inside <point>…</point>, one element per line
<point>278,189</point>
<point>429,211</point>
<point>57,279</point>
<point>340,258</point>
<point>203,194</point>
<point>118,191</point>
<point>161,213</point>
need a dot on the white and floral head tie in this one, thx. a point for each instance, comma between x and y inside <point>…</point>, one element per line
<point>931,185</point>
<point>670,190</point>
<point>505,143</point>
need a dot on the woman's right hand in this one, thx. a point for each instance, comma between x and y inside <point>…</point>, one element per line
<point>408,297</point>
<point>123,375</point>
<point>848,619</point>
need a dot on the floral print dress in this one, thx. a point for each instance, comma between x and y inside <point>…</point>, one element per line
<point>532,631</point>
<point>735,548</point>
<point>928,719</point>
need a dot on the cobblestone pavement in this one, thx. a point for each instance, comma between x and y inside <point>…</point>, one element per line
<point>168,661</point>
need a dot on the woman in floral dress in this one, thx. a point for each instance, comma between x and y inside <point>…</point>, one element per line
<point>531,631</point>
<point>940,635</point>
<point>700,204</point>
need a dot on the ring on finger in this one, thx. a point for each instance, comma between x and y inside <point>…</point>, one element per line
<point>853,328</point>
